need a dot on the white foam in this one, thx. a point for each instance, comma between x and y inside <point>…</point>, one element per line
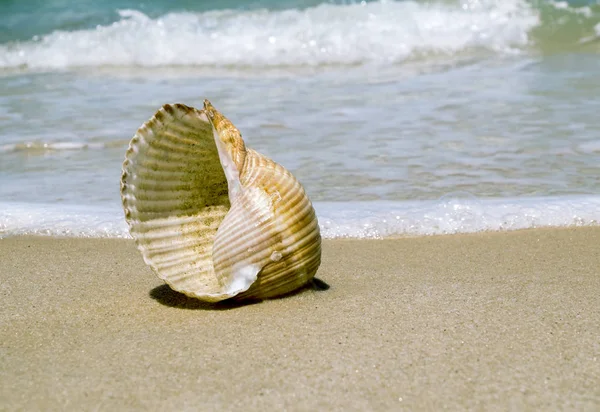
<point>563,5</point>
<point>384,32</point>
<point>51,146</point>
<point>451,215</point>
<point>61,220</point>
<point>359,220</point>
<point>590,147</point>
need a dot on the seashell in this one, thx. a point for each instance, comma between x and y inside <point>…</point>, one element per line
<point>211,217</point>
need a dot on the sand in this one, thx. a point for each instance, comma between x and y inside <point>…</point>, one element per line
<point>484,321</point>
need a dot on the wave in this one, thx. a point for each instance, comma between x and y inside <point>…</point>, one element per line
<point>33,147</point>
<point>382,32</point>
<point>454,213</point>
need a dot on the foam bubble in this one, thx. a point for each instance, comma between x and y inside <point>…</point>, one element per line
<point>381,32</point>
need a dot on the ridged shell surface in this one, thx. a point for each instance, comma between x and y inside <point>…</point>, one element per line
<point>212,218</point>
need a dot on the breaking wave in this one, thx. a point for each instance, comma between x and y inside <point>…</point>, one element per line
<point>383,32</point>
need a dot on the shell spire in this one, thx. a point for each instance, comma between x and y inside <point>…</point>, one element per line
<point>226,134</point>
<point>211,217</point>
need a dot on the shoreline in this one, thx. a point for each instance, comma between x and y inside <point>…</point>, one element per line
<point>465,321</point>
<point>375,219</point>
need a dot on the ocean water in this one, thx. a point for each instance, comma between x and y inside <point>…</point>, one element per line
<point>399,117</point>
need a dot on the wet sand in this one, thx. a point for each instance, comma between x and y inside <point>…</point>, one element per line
<point>483,321</point>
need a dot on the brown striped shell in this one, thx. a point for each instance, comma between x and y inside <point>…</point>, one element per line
<point>212,218</point>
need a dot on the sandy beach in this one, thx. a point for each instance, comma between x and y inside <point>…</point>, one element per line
<point>489,321</point>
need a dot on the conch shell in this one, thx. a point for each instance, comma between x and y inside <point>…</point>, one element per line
<point>211,217</point>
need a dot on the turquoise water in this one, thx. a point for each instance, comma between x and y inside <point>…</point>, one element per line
<point>22,20</point>
<point>384,110</point>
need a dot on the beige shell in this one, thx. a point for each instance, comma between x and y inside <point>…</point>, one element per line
<point>212,218</point>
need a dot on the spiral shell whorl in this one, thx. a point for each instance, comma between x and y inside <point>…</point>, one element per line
<point>290,243</point>
<point>212,218</point>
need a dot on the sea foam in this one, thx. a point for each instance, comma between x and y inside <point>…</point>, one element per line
<point>356,220</point>
<point>383,32</point>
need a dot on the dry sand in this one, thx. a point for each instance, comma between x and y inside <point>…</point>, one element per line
<point>484,322</point>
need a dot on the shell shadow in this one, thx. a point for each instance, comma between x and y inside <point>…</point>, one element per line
<point>318,284</point>
<point>164,295</point>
